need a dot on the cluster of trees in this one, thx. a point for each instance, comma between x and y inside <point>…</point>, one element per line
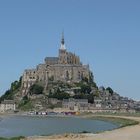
<point>84,92</point>
<point>36,89</point>
<point>110,90</point>
<point>9,94</point>
<point>60,95</point>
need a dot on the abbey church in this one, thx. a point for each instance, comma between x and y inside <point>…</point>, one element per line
<point>67,67</point>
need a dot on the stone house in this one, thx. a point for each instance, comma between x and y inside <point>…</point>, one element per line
<point>7,105</point>
<point>75,104</point>
<point>98,102</point>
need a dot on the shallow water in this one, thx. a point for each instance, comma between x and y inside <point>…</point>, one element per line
<point>29,126</point>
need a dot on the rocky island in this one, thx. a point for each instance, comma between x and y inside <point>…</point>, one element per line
<point>63,83</point>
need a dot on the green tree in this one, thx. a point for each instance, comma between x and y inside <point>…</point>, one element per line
<point>16,84</point>
<point>85,89</point>
<point>110,90</point>
<point>79,96</point>
<point>59,95</point>
<point>36,89</point>
<point>91,98</point>
<point>7,95</point>
<point>25,99</point>
<point>85,79</point>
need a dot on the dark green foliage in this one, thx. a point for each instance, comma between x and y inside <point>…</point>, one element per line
<point>13,138</point>
<point>16,84</point>
<point>59,95</point>
<point>9,94</point>
<point>85,79</point>
<point>80,96</point>
<point>63,85</point>
<point>85,88</point>
<point>58,91</point>
<point>25,104</point>
<point>25,99</point>
<point>36,89</point>
<point>26,107</point>
<point>91,98</point>
<point>93,84</point>
<point>110,90</point>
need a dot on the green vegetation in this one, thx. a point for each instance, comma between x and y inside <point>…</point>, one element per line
<point>26,107</point>
<point>13,138</point>
<point>122,122</point>
<point>82,90</point>
<point>59,95</point>
<point>136,114</point>
<point>16,84</point>
<point>110,90</point>
<point>9,94</point>
<point>52,106</point>
<point>25,104</point>
<point>85,88</point>
<point>36,89</point>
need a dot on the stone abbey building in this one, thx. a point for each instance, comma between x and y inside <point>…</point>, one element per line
<point>67,67</point>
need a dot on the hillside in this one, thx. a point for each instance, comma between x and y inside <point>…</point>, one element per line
<point>38,98</point>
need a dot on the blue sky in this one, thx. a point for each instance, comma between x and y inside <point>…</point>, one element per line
<point>104,33</point>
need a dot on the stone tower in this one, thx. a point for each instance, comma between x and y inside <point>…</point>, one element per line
<point>62,52</point>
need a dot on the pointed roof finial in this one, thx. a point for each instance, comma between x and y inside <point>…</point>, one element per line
<point>62,42</point>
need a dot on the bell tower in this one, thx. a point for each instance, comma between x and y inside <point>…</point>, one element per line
<point>62,52</point>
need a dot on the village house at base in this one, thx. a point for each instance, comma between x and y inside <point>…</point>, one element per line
<point>7,105</point>
<point>67,67</point>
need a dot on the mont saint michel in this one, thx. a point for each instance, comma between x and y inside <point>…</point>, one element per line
<point>67,68</point>
<point>62,86</point>
<point>64,83</point>
<point>79,85</point>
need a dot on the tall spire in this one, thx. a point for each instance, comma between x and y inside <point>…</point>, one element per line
<point>62,42</point>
